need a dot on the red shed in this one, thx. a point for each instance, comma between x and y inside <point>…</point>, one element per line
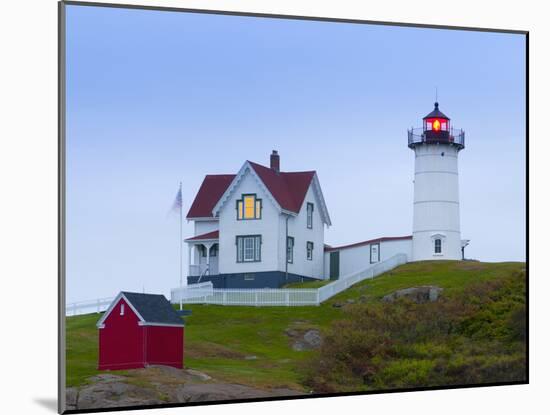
<point>138,330</point>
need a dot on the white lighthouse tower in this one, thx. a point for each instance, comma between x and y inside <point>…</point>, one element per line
<point>436,218</point>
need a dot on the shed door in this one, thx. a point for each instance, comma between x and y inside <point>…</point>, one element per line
<point>334,265</point>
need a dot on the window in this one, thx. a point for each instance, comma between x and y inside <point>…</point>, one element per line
<point>214,250</point>
<point>437,246</point>
<point>248,207</point>
<point>289,249</point>
<point>122,309</point>
<point>374,253</point>
<point>249,277</point>
<point>249,248</point>
<point>310,215</point>
<point>309,249</point>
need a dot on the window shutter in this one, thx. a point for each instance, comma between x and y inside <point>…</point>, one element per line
<point>239,209</point>
<point>257,248</point>
<point>239,249</point>
<point>258,209</point>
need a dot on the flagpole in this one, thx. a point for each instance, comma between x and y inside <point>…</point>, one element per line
<point>181,253</point>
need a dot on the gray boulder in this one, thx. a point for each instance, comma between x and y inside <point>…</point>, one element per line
<point>313,339</point>
<point>420,295</point>
<point>309,340</point>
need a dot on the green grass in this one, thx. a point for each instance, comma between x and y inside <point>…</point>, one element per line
<point>452,276</point>
<point>82,340</point>
<point>218,339</point>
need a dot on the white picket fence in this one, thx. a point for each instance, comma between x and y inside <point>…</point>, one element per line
<point>248,297</point>
<point>86,307</point>
<point>280,296</point>
<point>204,293</point>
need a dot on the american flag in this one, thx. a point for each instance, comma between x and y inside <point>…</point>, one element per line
<point>176,207</point>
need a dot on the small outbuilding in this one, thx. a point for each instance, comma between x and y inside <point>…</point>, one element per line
<point>139,330</point>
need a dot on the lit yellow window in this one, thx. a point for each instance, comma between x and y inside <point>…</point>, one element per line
<point>249,207</point>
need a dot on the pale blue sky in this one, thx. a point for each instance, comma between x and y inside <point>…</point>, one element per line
<point>155,98</point>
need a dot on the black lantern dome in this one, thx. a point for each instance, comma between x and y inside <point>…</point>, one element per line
<point>436,113</point>
<point>436,129</point>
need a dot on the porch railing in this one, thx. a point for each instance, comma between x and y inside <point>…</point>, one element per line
<point>197,269</point>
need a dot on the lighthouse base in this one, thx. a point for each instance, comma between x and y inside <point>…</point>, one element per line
<point>429,246</point>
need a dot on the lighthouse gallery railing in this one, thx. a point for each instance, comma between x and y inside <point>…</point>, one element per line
<point>455,136</point>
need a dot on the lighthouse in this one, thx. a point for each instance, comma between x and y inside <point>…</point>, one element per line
<point>436,212</point>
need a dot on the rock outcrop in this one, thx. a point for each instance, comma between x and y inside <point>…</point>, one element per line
<point>304,340</point>
<point>159,385</point>
<point>419,295</point>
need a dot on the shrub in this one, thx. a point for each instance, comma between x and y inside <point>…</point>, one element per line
<point>477,336</point>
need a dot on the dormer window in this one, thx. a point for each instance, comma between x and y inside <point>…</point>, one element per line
<point>310,215</point>
<point>249,207</point>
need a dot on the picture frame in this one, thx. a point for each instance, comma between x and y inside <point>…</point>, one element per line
<point>246,275</point>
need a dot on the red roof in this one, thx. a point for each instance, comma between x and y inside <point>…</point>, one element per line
<point>329,248</point>
<point>288,188</point>
<point>212,188</point>
<point>205,236</point>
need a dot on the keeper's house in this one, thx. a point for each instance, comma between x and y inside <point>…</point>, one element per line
<point>139,330</point>
<point>264,228</point>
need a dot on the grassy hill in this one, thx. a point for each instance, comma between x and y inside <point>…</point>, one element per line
<point>251,346</point>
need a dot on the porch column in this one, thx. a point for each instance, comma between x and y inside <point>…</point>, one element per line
<point>208,259</point>
<point>189,249</point>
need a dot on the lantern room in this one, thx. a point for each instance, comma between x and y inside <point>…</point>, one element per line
<point>437,125</point>
<point>436,129</point>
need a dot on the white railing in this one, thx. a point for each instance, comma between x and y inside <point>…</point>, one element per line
<point>86,307</point>
<point>196,270</point>
<point>203,293</point>
<point>256,297</point>
<point>280,296</point>
<point>203,289</point>
<point>347,281</point>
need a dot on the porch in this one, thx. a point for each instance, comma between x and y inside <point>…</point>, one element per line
<point>203,254</point>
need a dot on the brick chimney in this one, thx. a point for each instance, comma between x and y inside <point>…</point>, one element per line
<point>274,161</point>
